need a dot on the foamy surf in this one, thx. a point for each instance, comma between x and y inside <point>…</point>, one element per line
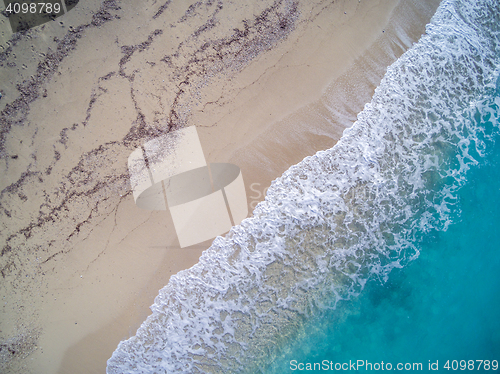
<point>340,217</point>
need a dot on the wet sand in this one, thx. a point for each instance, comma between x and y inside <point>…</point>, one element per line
<point>265,83</point>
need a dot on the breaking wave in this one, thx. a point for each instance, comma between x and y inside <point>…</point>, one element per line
<point>341,217</point>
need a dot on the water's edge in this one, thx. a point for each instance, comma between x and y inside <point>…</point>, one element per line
<point>340,217</point>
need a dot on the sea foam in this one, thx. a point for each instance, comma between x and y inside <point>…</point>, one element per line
<point>341,217</point>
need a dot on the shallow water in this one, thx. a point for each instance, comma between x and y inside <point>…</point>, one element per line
<point>442,307</point>
<point>356,252</point>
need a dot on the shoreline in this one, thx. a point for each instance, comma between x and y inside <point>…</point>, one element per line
<point>89,293</point>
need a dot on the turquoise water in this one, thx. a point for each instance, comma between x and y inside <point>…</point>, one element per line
<point>443,306</point>
<point>382,248</point>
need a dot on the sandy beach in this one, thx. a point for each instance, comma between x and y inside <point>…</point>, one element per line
<point>265,83</point>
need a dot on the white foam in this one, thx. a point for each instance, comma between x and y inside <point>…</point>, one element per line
<point>340,217</point>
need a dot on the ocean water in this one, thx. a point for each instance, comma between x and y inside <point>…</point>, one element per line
<point>381,249</point>
<point>443,307</point>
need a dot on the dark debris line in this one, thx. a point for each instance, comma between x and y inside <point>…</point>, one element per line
<point>226,55</point>
<point>87,182</point>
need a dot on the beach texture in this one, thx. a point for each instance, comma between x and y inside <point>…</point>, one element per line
<point>265,83</point>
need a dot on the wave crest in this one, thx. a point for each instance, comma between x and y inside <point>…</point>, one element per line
<point>340,217</point>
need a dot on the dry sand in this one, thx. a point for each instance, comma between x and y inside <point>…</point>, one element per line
<point>266,83</point>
